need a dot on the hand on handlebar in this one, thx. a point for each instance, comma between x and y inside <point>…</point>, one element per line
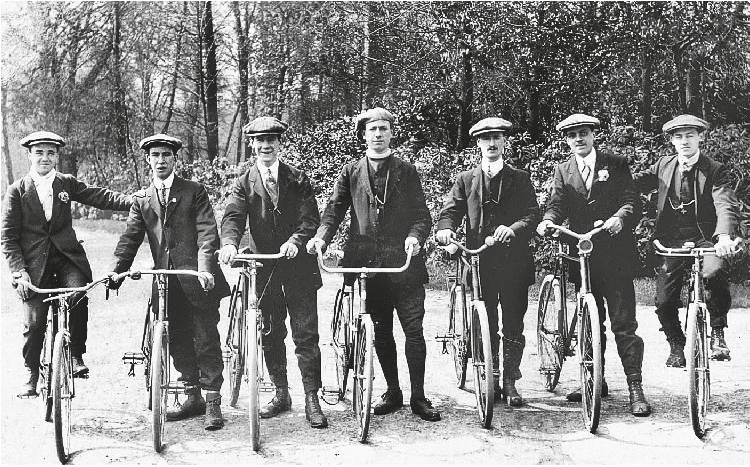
<point>22,289</point>
<point>412,242</point>
<point>227,253</point>
<point>112,283</point>
<point>726,247</point>
<point>289,250</point>
<point>444,236</point>
<point>206,279</point>
<point>613,225</point>
<point>543,227</point>
<point>503,234</point>
<point>315,244</point>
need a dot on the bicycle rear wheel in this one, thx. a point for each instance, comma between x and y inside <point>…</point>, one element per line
<point>146,346</point>
<point>589,339</point>
<point>363,375</point>
<point>342,345</point>
<point>62,395</point>
<point>254,354</point>
<point>458,333</point>
<point>45,370</point>
<point>550,331</point>
<point>236,342</point>
<point>159,383</point>
<point>481,354</point>
<point>699,376</point>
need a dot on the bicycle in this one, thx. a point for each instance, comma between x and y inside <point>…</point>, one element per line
<point>56,365</point>
<point>353,337</point>
<point>699,375</point>
<point>554,338</point>
<point>469,335</point>
<point>244,340</point>
<point>155,345</point>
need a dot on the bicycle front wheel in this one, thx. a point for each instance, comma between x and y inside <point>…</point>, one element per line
<point>458,333</point>
<point>589,339</point>
<point>254,353</point>
<point>342,345</point>
<point>481,354</point>
<point>363,375</point>
<point>550,331</point>
<point>62,395</point>
<point>159,383</point>
<point>236,352</point>
<point>699,380</point>
<point>45,370</point>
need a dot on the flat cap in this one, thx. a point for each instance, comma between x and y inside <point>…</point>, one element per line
<point>160,139</point>
<point>372,115</point>
<point>578,120</point>
<point>490,124</point>
<point>41,137</point>
<point>685,121</point>
<point>265,126</point>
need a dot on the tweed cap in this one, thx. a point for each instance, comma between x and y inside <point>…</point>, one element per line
<point>372,115</point>
<point>41,137</point>
<point>265,126</point>
<point>490,124</point>
<point>685,121</point>
<point>578,120</point>
<point>162,140</point>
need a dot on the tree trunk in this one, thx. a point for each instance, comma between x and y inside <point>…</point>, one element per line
<point>693,98</point>
<point>467,98</point>
<point>212,92</point>
<point>647,68</point>
<point>374,74</point>
<point>6,148</point>
<point>175,71</point>
<point>119,109</point>
<point>243,65</point>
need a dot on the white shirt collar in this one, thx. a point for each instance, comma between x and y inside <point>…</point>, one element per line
<point>263,169</point>
<point>687,164</point>
<point>589,160</point>
<point>43,180</point>
<point>376,156</point>
<point>167,182</point>
<point>492,167</point>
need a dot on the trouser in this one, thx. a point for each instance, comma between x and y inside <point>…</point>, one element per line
<point>383,295</point>
<point>300,301</point>
<point>59,272</point>
<point>513,297</point>
<point>669,283</point>
<point>194,339</point>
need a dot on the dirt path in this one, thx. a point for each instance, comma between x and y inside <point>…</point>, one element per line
<point>112,424</point>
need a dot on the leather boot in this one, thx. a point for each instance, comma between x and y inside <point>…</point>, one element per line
<point>497,390</point>
<point>639,406</point>
<point>719,349</point>
<point>423,407</point>
<point>510,393</point>
<point>213,420</point>
<point>676,358</point>
<point>194,405</point>
<point>390,401</point>
<point>313,412</point>
<point>80,370</point>
<point>28,388</point>
<point>281,402</point>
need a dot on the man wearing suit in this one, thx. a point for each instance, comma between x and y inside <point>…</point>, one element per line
<point>40,243</point>
<point>499,201</point>
<point>177,216</point>
<point>278,203</point>
<point>596,185</point>
<point>696,203</point>
<point>389,216</point>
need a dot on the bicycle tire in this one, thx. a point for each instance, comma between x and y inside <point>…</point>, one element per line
<point>342,347</point>
<point>699,381</point>
<point>159,383</point>
<point>589,340</point>
<point>237,353</point>
<point>481,354</point>
<point>550,332</point>
<point>458,331</point>
<point>45,370</point>
<point>254,353</point>
<point>363,376</point>
<point>62,395</point>
<point>146,344</point>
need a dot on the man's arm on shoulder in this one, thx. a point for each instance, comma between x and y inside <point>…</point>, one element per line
<point>101,198</point>
<point>725,203</point>
<point>12,229</point>
<point>647,179</point>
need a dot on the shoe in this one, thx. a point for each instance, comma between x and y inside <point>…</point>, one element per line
<point>28,389</point>
<point>575,396</point>
<point>79,368</point>
<point>639,406</point>
<point>281,402</point>
<point>423,408</point>
<point>719,349</point>
<point>213,420</point>
<point>194,405</point>
<point>510,393</point>
<point>313,412</point>
<point>497,390</point>
<point>390,401</point>
<point>676,357</point>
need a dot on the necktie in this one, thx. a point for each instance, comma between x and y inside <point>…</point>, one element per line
<point>585,175</point>
<point>272,187</point>
<point>163,197</point>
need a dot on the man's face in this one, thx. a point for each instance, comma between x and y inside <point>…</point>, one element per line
<point>686,141</point>
<point>43,157</point>
<point>162,160</point>
<point>266,148</point>
<point>580,139</point>
<point>378,135</point>
<point>492,145</point>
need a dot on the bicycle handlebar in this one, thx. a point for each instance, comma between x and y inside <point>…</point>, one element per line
<point>135,275</point>
<point>584,236</point>
<point>365,270</point>
<point>455,246</point>
<point>688,251</point>
<point>62,292</point>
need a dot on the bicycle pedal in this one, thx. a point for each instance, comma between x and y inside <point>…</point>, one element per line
<point>266,387</point>
<point>133,358</point>
<point>81,375</point>
<point>27,396</point>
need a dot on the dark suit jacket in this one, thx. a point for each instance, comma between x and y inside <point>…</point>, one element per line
<point>377,242</point>
<point>295,220</point>
<point>715,205</point>
<point>614,197</point>
<point>188,239</point>
<point>26,234</point>
<point>518,210</point>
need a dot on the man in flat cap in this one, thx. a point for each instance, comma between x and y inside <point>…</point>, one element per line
<point>497,200</point>
<point>389,216</point>
<point>696,203</point>
<point>277,203</point>
<point>594,185</point>
<point>177,217</point>
<point>40,243</point>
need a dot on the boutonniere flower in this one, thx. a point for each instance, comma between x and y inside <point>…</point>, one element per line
<point>64,196</point>
<point>603,175</point>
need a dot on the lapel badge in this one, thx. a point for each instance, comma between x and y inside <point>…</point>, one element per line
<point>603,175</point>
<point>64,196</point>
